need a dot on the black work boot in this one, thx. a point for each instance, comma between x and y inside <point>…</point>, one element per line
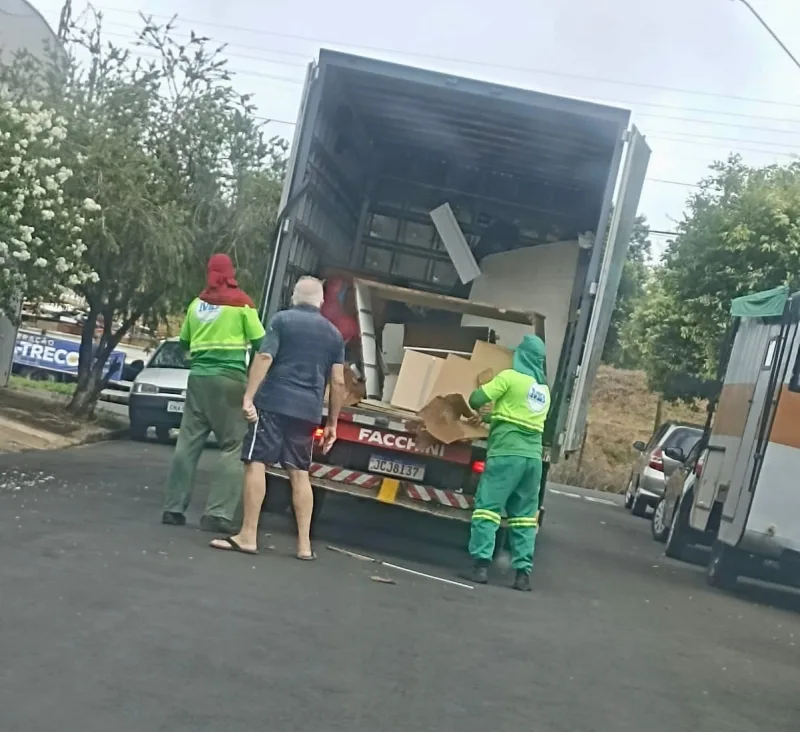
<point>479,573</point>
<point>522,581</point>
<point>172,518</point>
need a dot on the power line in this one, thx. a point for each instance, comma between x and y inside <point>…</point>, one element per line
<point>771,32</point>
<point>741,115</point>
<point>484,64</point>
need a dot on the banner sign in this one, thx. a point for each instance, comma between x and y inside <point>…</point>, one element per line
<point>58,354</point>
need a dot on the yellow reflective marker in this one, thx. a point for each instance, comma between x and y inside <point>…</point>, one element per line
<point>388,490</point>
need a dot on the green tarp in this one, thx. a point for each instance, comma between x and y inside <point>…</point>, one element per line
<point>767,304</point>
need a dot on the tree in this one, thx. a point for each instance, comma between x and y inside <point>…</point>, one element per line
<point>741,234</point>
<point>635,274</point>
<point>41,249</point>
<point>179,164</point>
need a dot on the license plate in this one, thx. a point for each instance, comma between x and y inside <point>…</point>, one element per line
<point>175,407</point>
<point>410,471</point>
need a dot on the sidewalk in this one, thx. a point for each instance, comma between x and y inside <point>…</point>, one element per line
<point>33,420</point>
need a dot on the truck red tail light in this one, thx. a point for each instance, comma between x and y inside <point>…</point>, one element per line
<point>657,460</point>
<point>478,466</point>
<point>318,433</point>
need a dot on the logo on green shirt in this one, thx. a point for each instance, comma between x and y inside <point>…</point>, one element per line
<point>537,398</point>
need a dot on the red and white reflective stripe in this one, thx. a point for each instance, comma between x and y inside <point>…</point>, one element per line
<point>343,475</point>
<point>436,495</point>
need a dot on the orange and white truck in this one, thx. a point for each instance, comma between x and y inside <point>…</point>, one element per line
<point>542,191</point>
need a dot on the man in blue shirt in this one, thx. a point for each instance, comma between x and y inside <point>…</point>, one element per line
<point>301,353</point>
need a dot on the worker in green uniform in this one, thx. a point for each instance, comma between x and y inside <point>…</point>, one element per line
<point>513,472</point>
<point>221,324</point>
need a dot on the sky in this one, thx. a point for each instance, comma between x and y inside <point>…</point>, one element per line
<point>701,77</point>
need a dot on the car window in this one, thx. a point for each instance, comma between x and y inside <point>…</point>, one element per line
<point>657,435</point>
<point>170,355</point>
<point>683,438</point>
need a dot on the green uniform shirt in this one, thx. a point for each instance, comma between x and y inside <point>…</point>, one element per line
<point>218,337</point>
<point>518,416</point>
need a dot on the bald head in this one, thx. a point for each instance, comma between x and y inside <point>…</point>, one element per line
<point>308,291</point>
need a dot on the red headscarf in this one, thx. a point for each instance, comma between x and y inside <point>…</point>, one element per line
<point>221,285</point>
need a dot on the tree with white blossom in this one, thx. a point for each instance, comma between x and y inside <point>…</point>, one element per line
<point>172,154</point>
<point>41,229</point>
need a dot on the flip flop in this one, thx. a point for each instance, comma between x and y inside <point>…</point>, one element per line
<point>233,546</point>
<point>306,557</point>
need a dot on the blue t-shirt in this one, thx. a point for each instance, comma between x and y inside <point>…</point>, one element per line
<point>304,346</point>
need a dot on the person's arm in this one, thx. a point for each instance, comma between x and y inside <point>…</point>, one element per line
<point>253,330</point>
<point>491,391</point>
<point>259,367</point>
<point>185,336</point>
<point>337,393</point>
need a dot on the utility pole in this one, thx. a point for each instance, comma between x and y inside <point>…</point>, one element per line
<point>64,20</point>
<point>769,30</point>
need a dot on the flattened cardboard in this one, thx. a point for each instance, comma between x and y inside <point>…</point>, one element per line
<point>418,374</point>
<point>447,419</point>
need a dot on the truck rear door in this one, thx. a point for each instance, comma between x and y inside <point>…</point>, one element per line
<point>604,295</point>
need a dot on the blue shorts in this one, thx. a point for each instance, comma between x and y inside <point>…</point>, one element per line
<point>276,439</point>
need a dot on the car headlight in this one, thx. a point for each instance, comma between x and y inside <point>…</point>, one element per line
<point>145,389</point>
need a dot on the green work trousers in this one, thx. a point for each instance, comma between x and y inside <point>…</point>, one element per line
<point>213,404</point>
<point>509,485</point>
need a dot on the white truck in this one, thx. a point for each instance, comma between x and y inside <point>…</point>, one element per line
<point>531,180</point>
<point>745,504</point>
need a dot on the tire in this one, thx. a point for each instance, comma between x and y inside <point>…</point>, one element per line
<point>629,495</point>
<point>138,432</point>
<point>279,495</point>
<point>639,507</point>
<point>164,434</point>
<point>658,524</point>
<point>722,570</point>
<point>677,538</point>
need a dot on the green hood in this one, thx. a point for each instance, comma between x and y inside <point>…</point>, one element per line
<point>529,358</point>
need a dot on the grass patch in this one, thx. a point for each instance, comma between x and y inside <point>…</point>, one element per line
<point>621,411</point>
<point>54,387</point>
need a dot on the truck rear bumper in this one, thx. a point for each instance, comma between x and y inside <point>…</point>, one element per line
<point>423,499</point>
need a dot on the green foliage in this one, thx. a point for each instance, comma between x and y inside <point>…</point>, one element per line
<point>741,234</point>
<point>178,163</point>
<point>635,275</point>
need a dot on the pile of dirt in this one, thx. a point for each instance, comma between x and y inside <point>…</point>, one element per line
<point>622,410</point>
<point>37,420</point>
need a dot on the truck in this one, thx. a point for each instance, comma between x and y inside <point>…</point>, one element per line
<point>530,179</point>
<point>741,498</point>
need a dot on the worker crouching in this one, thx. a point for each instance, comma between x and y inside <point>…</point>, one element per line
<point>512,476</point>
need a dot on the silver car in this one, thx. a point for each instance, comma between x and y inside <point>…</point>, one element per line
<point>159,392</point>
<point>648,480</point>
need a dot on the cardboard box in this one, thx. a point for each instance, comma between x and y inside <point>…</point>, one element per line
<point>418,374</point>
<point>449,419</point>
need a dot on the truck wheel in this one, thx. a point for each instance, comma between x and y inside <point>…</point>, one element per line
<point>138,432</point>
<point>677,538</point>
<point>279,495</point>
<point>722,571</point>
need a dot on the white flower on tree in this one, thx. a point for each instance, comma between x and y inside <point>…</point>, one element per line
<point>40,226</point>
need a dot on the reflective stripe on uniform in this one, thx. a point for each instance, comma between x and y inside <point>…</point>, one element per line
<point>523,522</point>
<point>481,514</point>
<point>238,345</point>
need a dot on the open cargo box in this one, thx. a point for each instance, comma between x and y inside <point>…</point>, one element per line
<point>378,146</point>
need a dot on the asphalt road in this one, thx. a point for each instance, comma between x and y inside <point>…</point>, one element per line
<point>110,621</point>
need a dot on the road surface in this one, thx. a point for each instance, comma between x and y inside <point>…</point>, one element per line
<point>110,621</point>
